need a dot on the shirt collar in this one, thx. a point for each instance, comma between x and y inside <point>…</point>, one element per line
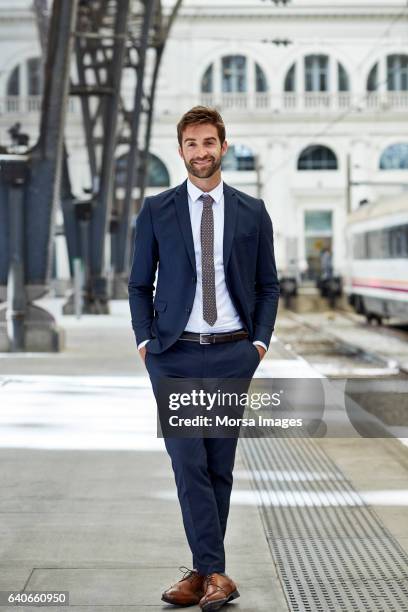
<point>195,193</point>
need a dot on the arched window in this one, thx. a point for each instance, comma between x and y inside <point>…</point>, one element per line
<point>317,157</point>
<point>290,84</point>
<point>233,77</point>
<point>395,157</point>
<point>261,84</point>
<point>397,72</point>
<point>238,158</point>
<point>234,73</point>
<point>34,76</point>
<point>207,80</point>
<point>316,70</point>
<point>13,83</point>
<point>372,81</point>
<point>343,83</point>
<point>157,173</point>
<point>316,73</point>
<point>396,68</point>
<point>26,79</point>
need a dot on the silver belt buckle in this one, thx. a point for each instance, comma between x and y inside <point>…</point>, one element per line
<point>201,339</point>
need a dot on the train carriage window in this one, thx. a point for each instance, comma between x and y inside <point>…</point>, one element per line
<point>359,246</point>
<point>384,244</point>
<point>398,241</point>
<point>387,243</point>
<point>384,248</point>
<point>375,245</point>
<point>406,240</point>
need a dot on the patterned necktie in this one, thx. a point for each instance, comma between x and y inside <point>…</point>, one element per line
<point>207,260</point>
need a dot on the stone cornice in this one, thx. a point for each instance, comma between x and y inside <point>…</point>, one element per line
<point>291,13</point>
<point>231,11</point>
<point>17,16</point>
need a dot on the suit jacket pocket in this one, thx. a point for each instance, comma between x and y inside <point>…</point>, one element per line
<point>251,236</point>
<point>159,305</point>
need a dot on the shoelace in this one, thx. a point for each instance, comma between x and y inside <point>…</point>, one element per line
<point>188,574</point>
<point>210,579</point>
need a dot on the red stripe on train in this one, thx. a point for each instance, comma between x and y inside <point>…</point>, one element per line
<point>374,286</point>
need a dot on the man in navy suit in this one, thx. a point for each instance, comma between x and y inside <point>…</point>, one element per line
<point>212,315</point>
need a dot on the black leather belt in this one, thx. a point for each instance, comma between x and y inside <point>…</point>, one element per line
<point>215,338</point>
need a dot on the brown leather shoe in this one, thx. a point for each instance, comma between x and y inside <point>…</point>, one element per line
<point>219,590</point>
<point>186,592</point>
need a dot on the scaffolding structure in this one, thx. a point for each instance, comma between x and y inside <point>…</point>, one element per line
<point>98,41</point>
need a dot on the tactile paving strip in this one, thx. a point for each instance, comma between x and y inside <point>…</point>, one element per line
<point>331,550</point>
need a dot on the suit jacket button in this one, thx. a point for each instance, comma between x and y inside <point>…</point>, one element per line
<point>194,279</point>
<point>188,309</point>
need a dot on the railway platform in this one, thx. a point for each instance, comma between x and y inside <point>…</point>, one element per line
<point>88,503</point>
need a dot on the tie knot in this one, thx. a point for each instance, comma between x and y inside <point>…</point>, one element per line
<point>207,200</point>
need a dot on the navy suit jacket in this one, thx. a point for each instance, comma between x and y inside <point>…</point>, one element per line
<point>164,237</point>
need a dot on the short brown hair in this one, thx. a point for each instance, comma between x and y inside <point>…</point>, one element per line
<point>199,115</point>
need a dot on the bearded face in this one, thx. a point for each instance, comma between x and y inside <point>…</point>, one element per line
<point>201,150</point>
<point>203,168</point>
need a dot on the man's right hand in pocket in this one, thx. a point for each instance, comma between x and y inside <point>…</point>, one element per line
<point>142,352</point>
<point>142,349</point>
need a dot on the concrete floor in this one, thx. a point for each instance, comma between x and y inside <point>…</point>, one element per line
<point>88,502</point>
<point>104,525</point>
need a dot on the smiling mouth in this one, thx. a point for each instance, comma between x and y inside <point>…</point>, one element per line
<point>201,163</point>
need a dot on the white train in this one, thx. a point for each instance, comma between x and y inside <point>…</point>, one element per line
<point>377,252</point>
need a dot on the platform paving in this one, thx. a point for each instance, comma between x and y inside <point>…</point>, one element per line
<point>88,502</point>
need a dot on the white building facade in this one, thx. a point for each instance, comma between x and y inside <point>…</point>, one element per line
<point>312,93</point>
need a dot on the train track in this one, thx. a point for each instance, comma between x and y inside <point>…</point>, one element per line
<point>333,356</point>
<point>393,330</point>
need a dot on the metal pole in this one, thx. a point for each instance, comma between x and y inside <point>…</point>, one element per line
<point>16,293</point>
<point>43,193</point>
<point>104,197</point>
<point>144,157</point>
<point>163,34</point>
<point>78,287</point>
<point>133,155</point>
<point>124,238</point>
<point>348,186</point>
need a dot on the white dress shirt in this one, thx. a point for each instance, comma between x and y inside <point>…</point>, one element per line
<point>228,318</point>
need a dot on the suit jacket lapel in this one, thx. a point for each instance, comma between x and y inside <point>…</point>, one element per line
<point>230,219</point>
<point>183,214</point>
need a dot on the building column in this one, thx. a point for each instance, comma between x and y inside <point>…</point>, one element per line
<point>359,171</point>
<point>300,82</point>
<point>217,82</point>
<point>276,194</point>
<point>250,83</point>
<point>382,76</point>
<point>332,84</point>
